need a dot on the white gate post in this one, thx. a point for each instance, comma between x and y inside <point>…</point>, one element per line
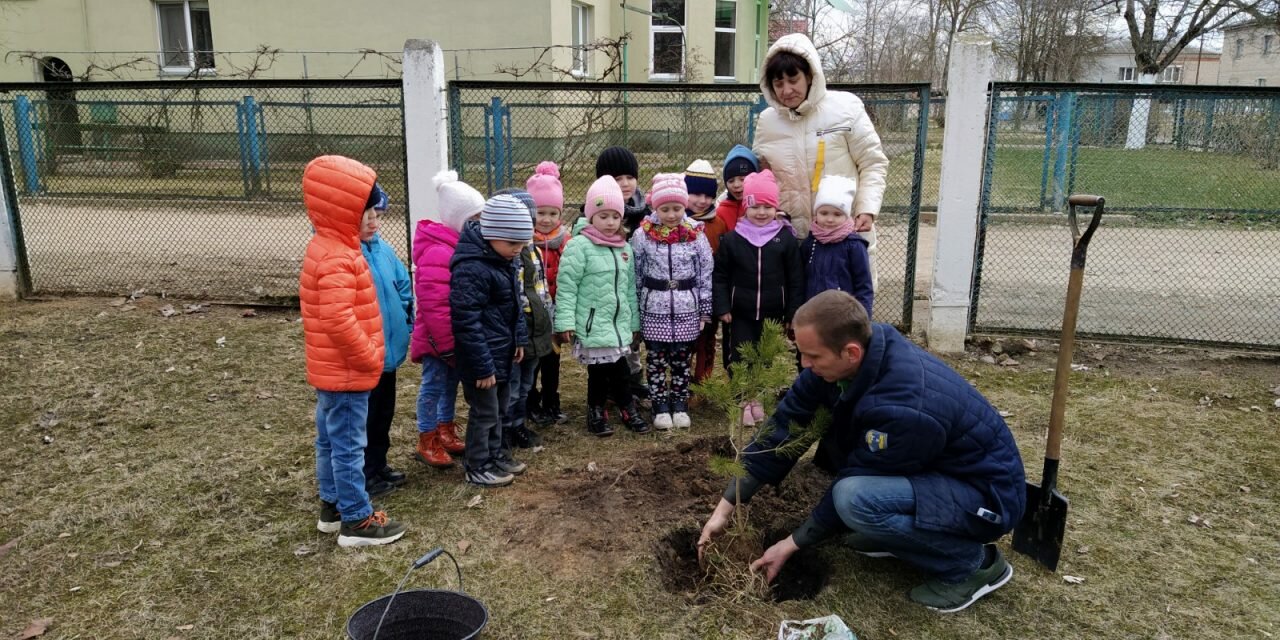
<point>8,247</point>
<point>963,144</point>
<point>426,126</point>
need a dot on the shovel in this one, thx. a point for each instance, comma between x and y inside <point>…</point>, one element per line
<point>1040,532</point>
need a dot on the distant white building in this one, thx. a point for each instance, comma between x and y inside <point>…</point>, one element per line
<point>1115,64</point>
<point>1251,55</point>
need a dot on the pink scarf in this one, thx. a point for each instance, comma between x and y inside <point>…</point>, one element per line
<point>832,236</point>
<point>597,236</point>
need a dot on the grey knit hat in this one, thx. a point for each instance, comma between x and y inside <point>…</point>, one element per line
<point>504,217</point>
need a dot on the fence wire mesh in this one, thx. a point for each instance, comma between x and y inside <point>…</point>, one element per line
<point>190,188</point>
<point>1190,248</point>
<point>499,131</point>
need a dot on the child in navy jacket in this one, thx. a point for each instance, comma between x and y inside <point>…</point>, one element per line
<point>835,255</point>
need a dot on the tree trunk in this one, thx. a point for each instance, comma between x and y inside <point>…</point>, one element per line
<point>1139,115</point>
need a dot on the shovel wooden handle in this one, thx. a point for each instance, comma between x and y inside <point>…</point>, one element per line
<point>1062,375</point>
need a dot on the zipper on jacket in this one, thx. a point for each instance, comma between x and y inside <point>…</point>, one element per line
<point>759,265</point>
<point>671,276</point>
<point>823,132</point>
<point>591,316</point>
<point>617,301</point>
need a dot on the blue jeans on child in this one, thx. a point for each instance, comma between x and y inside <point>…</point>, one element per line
<point>438,394</point>
<point>340,442</point>
<point>882,510</point>
<point>522,377</point>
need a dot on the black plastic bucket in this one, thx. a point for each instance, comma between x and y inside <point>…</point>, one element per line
<point>420,613</point>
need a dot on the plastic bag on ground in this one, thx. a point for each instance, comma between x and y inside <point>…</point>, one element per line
<point>825,628</point>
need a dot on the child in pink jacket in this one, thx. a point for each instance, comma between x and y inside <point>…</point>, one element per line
<point>432,340</point>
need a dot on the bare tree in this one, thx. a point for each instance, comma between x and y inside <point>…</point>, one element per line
<point>1160,30</point>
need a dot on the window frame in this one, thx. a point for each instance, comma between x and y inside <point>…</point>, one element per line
<point>1268,43</point>
<point>190,45</point>
<point>733,49</point>
<point>1239,51</point>
<point>656,26</point>
<point>580,66</point>
<point>1130,76</point>
<point>1171,74</point>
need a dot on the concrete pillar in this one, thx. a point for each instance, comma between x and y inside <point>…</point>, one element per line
<point>960,189</point>
<point>1138,117</point>
<point>9,283</point>
<point>426,125</point>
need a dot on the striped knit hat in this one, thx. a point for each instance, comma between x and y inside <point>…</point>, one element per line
<point>668,187</point>
<point>504,217</point>
<point>699,177</point>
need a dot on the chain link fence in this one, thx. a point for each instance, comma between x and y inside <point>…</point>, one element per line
<point>499,131</point>
<point>1190,250</point>
<point>190,188</point>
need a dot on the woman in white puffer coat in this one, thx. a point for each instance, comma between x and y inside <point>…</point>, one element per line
<point>808,132</point>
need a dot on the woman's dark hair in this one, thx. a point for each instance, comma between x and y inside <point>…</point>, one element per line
<point>785,63</point>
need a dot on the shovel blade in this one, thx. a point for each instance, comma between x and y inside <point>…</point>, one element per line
<point>1039,534</point>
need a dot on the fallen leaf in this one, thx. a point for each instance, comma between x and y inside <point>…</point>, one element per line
<point>591,467</point>
<point>74,589</point>
<point>221,342</point>
<point>475,501</point>
<point>1277,403</point>
<point>1244,489</point>
<point>549,598</point>
<point>111,565</point>
<point>1009,362</point>
<point>128,307</point>
<point>464,546</point>
<point>168,310</point>
<point>138,346</point>
<point>265,395</point>
<point>185,627</point>
<point>1073,579</point>
<point>1005,414</point>
<point>118,303</point>
<point>248,313</point>
<point>1079,367</point>
<point>170,369</point>
<point>892,632</point>
<point>49,420</point>
<point>64,534</point>
<point>1083,550</point>
<point>36,628</point>
<point>213,397</point>
<point>47,439</point>
<point>137,293</point>
<point>1205,401</point>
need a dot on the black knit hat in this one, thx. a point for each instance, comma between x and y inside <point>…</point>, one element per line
<point>617,161</point>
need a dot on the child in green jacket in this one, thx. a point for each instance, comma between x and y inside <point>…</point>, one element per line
<point>596,306</point>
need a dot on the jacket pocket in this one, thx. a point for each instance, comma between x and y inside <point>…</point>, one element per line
<point>591,317</point>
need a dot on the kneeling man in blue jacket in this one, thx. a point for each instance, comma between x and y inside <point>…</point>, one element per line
<point>926,469</point>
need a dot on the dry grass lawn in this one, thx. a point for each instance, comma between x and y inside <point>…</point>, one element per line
<point>160,485</point>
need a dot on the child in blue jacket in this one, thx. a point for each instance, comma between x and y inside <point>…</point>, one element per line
<point>835,255</point>
<point>395,300</point>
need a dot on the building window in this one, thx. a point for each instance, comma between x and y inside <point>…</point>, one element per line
<point>1262,82</point>
<point>581,16</point>
<point>186,38</point>
<point>726,32</point>
<point>1239,47</point>
<point>1126,74</point>
<point>1268,43</point>
<point>1171,74</point>
<point>666,40</point>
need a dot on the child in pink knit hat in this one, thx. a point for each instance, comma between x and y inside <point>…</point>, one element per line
<point>759,274</point>
<point>673,276</point>
<point>549,236</point>
<point>596,307</point>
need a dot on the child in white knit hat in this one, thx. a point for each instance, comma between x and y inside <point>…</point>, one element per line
<point>835,255</point>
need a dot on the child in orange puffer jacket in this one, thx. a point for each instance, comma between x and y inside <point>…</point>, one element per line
<point>342,328</point>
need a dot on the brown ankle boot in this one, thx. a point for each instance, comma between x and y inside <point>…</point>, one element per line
<point>430,452</point>
<point>448,434</point>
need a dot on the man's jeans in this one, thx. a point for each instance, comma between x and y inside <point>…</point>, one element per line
<point>882,510</point>
<point>438,394</point>
<point>484,422</point>
<point>523,374</point>
<point>340,442</point>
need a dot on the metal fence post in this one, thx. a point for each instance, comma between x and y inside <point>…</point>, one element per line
<point>243,143</point>
<point>913,211</point>
<point>251,139</point>
<point>959,191</point>
<point>1050,117</point>
<point>458,161</point>
<point>1210,107</point>
<point>508,166</point>
<point>752,113</point>
<point>488,147</point>
<point>1066,105</point>
<point>26,144</point>
<point>984,204</point>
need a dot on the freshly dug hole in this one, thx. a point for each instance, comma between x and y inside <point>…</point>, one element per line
<point>804,575</point>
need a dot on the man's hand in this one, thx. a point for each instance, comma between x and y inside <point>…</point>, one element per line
<point>519,354</point>
<point>863,222</point>
<point>487,383</point>
<point>715,526</point>
<point>774,557</point>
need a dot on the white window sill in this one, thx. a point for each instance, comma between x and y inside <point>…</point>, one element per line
<point>172,72</point>
<point>664,77</point>
<point>726,79</point>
